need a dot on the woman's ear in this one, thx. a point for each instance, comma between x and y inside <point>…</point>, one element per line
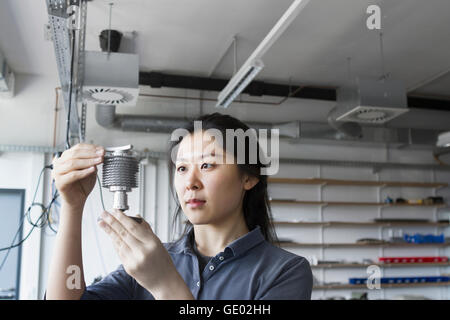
<point>250,182</point>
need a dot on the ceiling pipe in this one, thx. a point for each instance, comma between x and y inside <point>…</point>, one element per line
<point>215,100</point>
<point>107,117</point>
<point>259,88</point>
<point>255,88</point>
<point>295,132</point>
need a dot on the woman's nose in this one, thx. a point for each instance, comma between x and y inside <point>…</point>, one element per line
<point>192,181</point>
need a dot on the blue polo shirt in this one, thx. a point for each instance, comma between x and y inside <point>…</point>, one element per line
<point>250,268</point>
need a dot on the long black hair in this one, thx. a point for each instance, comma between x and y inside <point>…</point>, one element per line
<point>256,205</point>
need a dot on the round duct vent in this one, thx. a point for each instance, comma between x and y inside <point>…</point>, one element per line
<point>107,96</point>
<point>373,115</point>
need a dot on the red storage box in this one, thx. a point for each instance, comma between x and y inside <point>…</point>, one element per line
<point>412,259</point>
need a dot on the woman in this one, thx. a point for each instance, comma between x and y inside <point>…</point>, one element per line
<point>227,250</point>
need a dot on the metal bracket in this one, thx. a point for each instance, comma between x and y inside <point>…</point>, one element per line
<point>67,19</point>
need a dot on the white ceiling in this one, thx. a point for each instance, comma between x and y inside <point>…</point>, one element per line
<point>189,37</point>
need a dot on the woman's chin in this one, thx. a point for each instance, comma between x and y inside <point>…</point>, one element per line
<point>198,220</point>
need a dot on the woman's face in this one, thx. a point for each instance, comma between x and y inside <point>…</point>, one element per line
<point>201,173</point>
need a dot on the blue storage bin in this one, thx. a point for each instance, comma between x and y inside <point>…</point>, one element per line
<point>420,238</point>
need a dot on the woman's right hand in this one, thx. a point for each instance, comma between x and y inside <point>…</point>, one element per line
<point>75,173</point>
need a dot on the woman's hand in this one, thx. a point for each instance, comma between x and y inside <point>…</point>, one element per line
<point>144,257</point>
<point>75,173</point>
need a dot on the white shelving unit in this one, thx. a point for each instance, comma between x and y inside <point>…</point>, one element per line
<point>300,209</point>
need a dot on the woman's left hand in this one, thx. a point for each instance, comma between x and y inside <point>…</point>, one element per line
<point>144,257</point>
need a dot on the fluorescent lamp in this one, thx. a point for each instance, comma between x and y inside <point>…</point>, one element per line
<point>238,83</point>
<point>254,64</point>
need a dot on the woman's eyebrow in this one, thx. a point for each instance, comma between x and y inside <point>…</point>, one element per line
<point>203,156</point>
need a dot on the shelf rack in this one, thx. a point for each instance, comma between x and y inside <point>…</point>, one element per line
<point>381,265</point>
<point>379,184</point>
<point>349,245</point>
<point>382,286</point>
<point>360,224</point>
<point>341,203</point>
<point>357,182</point>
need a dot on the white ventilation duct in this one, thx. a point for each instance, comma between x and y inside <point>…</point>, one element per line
<point>111,78</point>
<point>295,132</point>
<point>107,117</point>
<point>371,101</point>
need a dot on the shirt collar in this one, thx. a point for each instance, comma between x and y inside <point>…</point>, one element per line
<point>181,245</point>
<point>247,241</point>
<point>237,247</point>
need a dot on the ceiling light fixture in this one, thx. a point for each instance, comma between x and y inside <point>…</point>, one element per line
<point>6,79</point>
<point>254,64</point>
<point>442,151</point>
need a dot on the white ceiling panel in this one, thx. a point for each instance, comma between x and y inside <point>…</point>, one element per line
<point>189,37</point>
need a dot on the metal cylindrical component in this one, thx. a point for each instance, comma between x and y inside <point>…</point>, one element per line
<point>120,173</point>
<point>120,200</point>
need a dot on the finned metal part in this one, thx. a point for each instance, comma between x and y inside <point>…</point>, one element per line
<point>120,173</point>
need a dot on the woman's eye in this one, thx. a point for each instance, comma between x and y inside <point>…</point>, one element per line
<point>207,164</point>
<point>180,167</point>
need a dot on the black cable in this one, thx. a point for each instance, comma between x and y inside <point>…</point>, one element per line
<point>14,239</point>
<point>26,214</point>
<point>49,214</point>
<point>43,209</point>
<point>101,192</point>
<point>35,225</point>
<point>50,223</point>
<point>70,92</point>
<point>21,221</point>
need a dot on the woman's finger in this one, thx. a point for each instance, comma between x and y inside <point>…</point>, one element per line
<point>120,230</point>
<point>69,178</point>
<point>76,164</point>
<point>138,230</point>
<point>85,154</point>
<point>120,246</point>
<point>81,147</point>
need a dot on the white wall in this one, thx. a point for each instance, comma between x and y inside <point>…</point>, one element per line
<point>28,120</point>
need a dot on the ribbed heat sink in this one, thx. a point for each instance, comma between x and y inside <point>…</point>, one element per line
<point>120,171</point>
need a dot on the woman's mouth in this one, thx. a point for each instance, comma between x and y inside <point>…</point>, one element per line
<point>195,203</point>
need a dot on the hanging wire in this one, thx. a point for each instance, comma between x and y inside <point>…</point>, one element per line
<point>39,223</point>
<point>95,231</point>
<point>383,71</point>
<point>235,56</point>
<point>349,69</point>
<point>109,28</point>
<point>70,92</point>
<point>350,82</point>
<point>101,192</point>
